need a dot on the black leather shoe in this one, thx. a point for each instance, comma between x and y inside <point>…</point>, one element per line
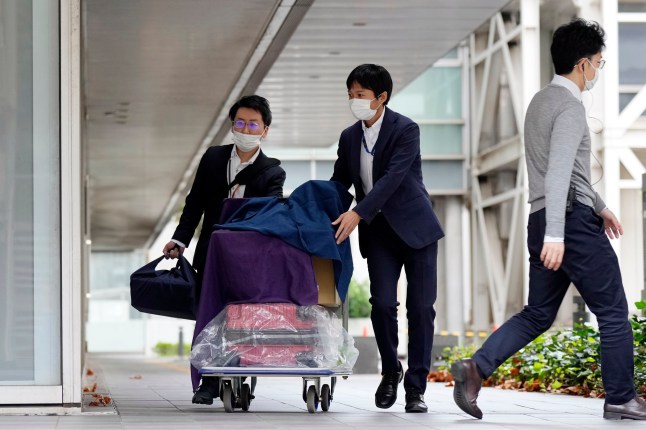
<point>632,410</point>
<point>207,391</point>
<point>386,394</point>
<point>467,382</point>
<point>415,401</point>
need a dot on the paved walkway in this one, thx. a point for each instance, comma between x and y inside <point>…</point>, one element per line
<point>156,394</point>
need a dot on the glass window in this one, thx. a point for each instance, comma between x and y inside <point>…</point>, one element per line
<point>443,175</point>
<point>632,67</point>
<point>324,170</point>
<point>111,270</point>
<point>297,173</point>
<point>452,54</point>
<point>436,94</point>
<point>441,139</point>
<point>30,339</point>
<point>624,99</point>
<point>632,6</point>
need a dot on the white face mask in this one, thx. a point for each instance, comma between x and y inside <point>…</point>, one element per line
<point>246,142</point>
<point>361,109</point>
<point>589,84</point>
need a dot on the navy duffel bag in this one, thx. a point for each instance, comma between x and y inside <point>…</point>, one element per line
<point>170,293</point>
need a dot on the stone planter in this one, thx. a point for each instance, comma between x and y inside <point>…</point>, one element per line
<point>368,361</point>
<point>364,340</point>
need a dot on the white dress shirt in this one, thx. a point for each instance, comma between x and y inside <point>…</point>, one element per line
<point>370,134</point>
<point>565,82</point>
<point>234,167</point>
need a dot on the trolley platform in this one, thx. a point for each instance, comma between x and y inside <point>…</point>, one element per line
<point>236,393</point>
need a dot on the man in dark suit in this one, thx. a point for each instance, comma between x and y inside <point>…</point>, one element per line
<point>380,156</point>
<point>238,170</point>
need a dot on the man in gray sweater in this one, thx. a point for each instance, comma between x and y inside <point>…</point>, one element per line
<point>567,233</point>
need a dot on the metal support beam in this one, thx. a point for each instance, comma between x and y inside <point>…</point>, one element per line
<point>500,102</point>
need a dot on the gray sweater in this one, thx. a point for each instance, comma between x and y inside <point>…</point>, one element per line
<point>557,151</point>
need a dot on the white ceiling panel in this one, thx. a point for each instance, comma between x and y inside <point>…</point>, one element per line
<point>158,74</point>
<point>306,85</point>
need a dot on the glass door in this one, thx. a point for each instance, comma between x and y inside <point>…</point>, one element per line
<point>30,284</point>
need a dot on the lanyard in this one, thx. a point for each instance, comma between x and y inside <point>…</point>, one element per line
<point>232,192</point>
<point>365,146</point>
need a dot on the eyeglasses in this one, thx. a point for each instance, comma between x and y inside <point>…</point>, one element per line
<point>601,63</point>
<point>253,127</point>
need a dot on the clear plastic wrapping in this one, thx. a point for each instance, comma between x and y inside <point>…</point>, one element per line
<point>274,335</point>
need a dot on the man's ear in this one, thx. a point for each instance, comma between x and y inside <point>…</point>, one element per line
<point>383,97</point>
<point>265,133</point>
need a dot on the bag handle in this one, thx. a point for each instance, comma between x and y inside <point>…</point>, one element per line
<point>251,172</point>
<point>150,266</point>
<point>183,266</point>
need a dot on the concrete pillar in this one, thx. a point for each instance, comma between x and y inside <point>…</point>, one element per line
<point>453,263</point>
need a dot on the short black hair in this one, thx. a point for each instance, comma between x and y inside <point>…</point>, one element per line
<point>257,103</point>
<point>573,41</point>
<point>372,77</point>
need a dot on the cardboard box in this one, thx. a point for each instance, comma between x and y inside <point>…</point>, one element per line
<point>324,274</point>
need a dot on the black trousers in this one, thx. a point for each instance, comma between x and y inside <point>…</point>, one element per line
<point>386,255</point>
<point>591,265</point>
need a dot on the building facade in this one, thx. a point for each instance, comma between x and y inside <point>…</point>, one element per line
<point>470,106</point>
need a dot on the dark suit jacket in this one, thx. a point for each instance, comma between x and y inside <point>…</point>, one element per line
<point>210,188</point>
<point>398,190</point>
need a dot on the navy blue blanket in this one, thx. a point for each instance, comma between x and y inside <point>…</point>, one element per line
<point>304,221</point>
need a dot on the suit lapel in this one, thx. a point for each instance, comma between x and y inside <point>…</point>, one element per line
<point>250,187</point>
<point>387,127</point>
<point>222,173</point>
<point>355,154</point>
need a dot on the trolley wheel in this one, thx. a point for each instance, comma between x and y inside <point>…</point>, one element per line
<point>245,397</point>
<point>326,398</point>
<point>228,398</point>
<point>312,399</point>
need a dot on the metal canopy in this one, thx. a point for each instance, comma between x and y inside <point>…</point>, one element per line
<point>160,75</point>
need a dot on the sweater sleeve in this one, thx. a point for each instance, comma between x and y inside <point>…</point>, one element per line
<point>599,204</point>
<point>567,133</point>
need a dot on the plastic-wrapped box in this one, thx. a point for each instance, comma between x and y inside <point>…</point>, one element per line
<point>274,335</point>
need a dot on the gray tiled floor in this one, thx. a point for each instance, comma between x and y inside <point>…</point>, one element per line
<point>156,394</point>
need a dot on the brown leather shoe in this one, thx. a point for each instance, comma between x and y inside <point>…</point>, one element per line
<point>467,386</point>
<point>632,410</point>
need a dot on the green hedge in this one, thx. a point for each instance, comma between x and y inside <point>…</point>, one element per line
<point>166,349</point>
<point>359,299</point>
<point>566,361</point>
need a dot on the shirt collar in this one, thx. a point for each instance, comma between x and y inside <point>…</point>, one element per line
<point>376,126</point>
<point>234,156</point>
<point>571,86</point>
